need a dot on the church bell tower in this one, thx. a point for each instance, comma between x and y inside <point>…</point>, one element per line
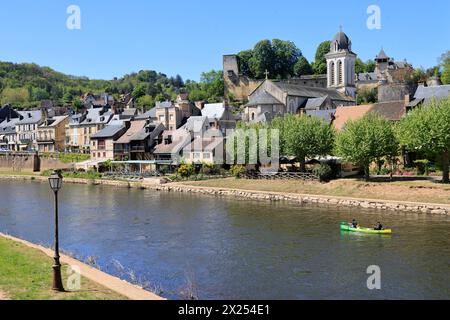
<point>341,65</point>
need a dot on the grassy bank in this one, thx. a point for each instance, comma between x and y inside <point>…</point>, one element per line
<point>413,191</point>
<point>26,274</point>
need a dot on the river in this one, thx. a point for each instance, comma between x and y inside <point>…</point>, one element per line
<point>225,248</point>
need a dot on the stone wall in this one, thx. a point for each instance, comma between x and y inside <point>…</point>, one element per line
<point>29,162</point>
<point>318,200</point>
<point>386,205</point>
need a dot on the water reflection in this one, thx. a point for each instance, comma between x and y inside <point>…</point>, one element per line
<point>229,248</point>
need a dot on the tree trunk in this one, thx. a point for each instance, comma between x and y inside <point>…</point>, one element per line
<point>445,164</point>
<point>391,175</point>
<point>366,173</point>
<point>302,164</point>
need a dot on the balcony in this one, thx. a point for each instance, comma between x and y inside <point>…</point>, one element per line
<point>137,149</point>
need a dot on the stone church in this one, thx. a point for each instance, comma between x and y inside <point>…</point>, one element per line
<point>318,93</point>
<point>308,95</point>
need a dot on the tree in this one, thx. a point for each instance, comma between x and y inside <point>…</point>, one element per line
<point>302,67</point>
<point>360,66</point>
<point>263,59</point>
<point>370,66</point>
<point>244,62</point>
<point>367,95</point>
<point>427,129</point>
<point>278,57</point>
<point>445,65</point>
<point>286,56</point>
<point>320,63</point>
<point>212,84</point>
<point>367,140</point>
<point>304,137</point>
<point>138,91</point>
<point>146,101</point>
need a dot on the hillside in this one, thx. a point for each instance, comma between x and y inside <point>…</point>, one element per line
<point>25,85</point>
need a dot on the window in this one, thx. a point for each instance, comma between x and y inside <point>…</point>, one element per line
<point>171,117</point>
<point>274,107</point>
<point>332,74</point>
<point>101,144</point>
<point>253,116</point>
<point>98,154</point>
<point>340,72</point>
<point>196,155</point>
<point>104,154</point>
<point>207,155</point>
<point>161,118</point>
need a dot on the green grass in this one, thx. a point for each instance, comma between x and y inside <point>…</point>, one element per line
<point>26,274</point>
<point>91,174</point>
<point>414,191</point>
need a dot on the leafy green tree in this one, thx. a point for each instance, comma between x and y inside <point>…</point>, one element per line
<point>367,95</point>
<point>360,66</point>
<point>146,101</point>
<point>367,140</point>
<point>304,137</point>
<point>139,91</point>
<point>302,67</point>
<point>244,62</point>
<point>263,59</point>
<point>286,56</point>
<point>427,130</point>
<point>320,63</point>
<point>370,66</point>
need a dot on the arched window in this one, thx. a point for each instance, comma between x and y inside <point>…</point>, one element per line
<point>340,72</point>
<point>253,116</point>
<point>332,74</point>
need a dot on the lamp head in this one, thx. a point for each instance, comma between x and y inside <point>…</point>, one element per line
<point>55,181</point>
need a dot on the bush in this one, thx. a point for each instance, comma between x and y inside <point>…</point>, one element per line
<point>185,170</point>
<point>324,172</point>
<point>237,169</point>
<point>422,166</point>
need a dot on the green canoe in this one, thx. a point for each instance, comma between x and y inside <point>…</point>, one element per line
<point>345,227</point>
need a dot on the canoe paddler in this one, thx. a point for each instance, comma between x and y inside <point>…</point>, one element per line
<point>354,224</point>
<point>378,226</point>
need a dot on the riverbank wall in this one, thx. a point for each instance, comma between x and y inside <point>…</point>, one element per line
<point>321,200</point>
<point>115,284</point>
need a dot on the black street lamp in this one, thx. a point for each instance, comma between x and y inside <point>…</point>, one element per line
<point>55,181</point>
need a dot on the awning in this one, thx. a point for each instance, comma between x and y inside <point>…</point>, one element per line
<point>88,164</point>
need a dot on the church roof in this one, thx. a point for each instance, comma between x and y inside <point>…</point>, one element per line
<point>342,40</point>
<point>315,103</point>
<point>263,98</point>
<point>310,92</point>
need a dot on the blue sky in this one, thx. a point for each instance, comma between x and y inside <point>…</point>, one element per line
<point>188,37</point>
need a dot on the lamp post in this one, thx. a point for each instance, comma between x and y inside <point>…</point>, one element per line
<point>55,181</point>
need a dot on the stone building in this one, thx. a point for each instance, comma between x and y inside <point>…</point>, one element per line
<point>276,98</point>
<point>388,77</point>
<point>52,134</point>
<point>80,128</point>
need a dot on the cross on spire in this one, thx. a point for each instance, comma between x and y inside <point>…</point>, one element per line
<point>267,74</point>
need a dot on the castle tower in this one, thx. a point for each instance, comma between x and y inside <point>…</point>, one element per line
<point>341,65</point>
